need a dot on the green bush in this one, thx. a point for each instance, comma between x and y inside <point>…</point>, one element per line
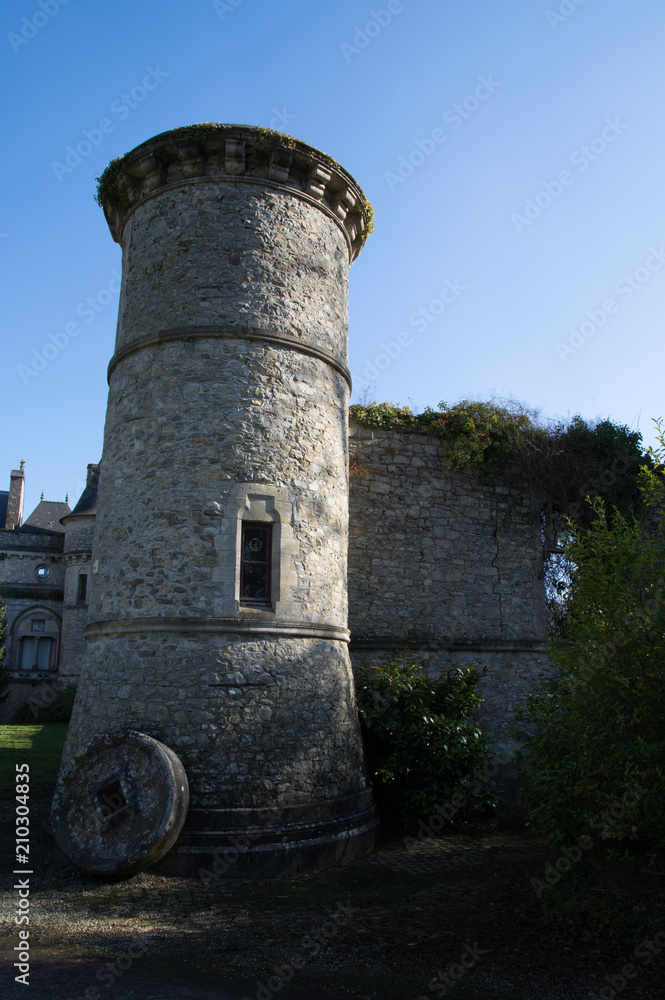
<point>567,461</point>
<point>593,737</point>
<point>4,672</point>
<point>38,712</point>
<point>421,746</point>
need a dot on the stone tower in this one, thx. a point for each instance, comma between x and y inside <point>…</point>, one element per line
<point>218,605</point>
<point>77,557</point>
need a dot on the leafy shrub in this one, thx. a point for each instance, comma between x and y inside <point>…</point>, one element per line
<point>594,730</point>
<point>4,672</point>
<point>566,461</point>
<point>421,746</point>
<point>36,712</point>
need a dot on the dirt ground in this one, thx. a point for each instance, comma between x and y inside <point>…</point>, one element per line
<point>455,917</point>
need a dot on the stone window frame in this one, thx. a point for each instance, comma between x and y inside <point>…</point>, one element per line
<point>256,503</point>
<point>21,629</point>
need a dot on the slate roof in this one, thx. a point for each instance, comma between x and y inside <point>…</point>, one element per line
<point>4,498</point>
<point>46,516</point>
<point>87,503</point>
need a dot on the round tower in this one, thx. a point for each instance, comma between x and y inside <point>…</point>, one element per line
<point>218,605</point>
<point>77,557</point>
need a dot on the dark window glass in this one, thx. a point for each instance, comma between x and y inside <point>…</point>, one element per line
<point>255,564</point>
<point>28,653</point>
<point>36,654</point>
<point>83,587</point>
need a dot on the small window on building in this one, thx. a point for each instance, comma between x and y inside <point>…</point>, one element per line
<point>82,592</point>
<point>42,572</point>
<point>255,564</point>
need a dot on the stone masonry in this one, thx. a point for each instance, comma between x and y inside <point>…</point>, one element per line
<point>228,396</point>
<point>228,400</point>
<point>448,564</point>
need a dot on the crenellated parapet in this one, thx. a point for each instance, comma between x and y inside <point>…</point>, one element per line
<point>239,153</point>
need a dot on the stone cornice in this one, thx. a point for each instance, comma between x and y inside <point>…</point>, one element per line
<point>303,630</point>
<point>236,153</point>
<point>30,591</point>
<point>229,333</point>
<point>430,644</point>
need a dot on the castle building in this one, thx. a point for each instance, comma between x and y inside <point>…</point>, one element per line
<point>442,563</point>
<point>44,572</point>
<point>238,539</point>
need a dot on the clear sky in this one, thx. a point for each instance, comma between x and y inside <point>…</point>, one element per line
<point>513,152</point>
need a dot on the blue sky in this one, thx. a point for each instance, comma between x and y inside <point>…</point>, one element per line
<point>519,239</point>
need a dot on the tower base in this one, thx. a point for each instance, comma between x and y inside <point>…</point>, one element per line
<point>262,843</point>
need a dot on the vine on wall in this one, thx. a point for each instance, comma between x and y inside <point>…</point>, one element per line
<point>568,461</point>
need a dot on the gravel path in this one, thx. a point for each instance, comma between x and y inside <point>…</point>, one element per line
<point>380,929</point>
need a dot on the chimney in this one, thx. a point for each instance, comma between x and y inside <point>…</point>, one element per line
<point>14,518</point>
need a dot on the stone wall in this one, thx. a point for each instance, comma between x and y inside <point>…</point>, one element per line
<point>77,559</point>
<point>21,590</point>
<point>445,563</point>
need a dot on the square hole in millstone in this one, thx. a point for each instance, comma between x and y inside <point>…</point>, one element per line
<point>111,799</point>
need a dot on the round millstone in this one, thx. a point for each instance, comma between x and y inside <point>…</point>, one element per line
<point>121,805</point>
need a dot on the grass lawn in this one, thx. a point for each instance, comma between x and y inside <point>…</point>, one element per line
<point>38,746</point>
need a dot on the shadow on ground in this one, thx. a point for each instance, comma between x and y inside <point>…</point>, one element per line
<point>455,917</point>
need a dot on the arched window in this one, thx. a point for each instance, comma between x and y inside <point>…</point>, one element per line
<point>255,563</point>
<point>37,638</point>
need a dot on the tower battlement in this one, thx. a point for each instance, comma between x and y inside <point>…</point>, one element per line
<point>244,154</point>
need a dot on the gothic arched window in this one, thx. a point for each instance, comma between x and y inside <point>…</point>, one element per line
<point>37,635</point>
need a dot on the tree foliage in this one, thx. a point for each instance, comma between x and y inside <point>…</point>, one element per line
<point>4,672</point>
<point>594,730</point>
<point>566,461</point>
<point>420,743</point>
